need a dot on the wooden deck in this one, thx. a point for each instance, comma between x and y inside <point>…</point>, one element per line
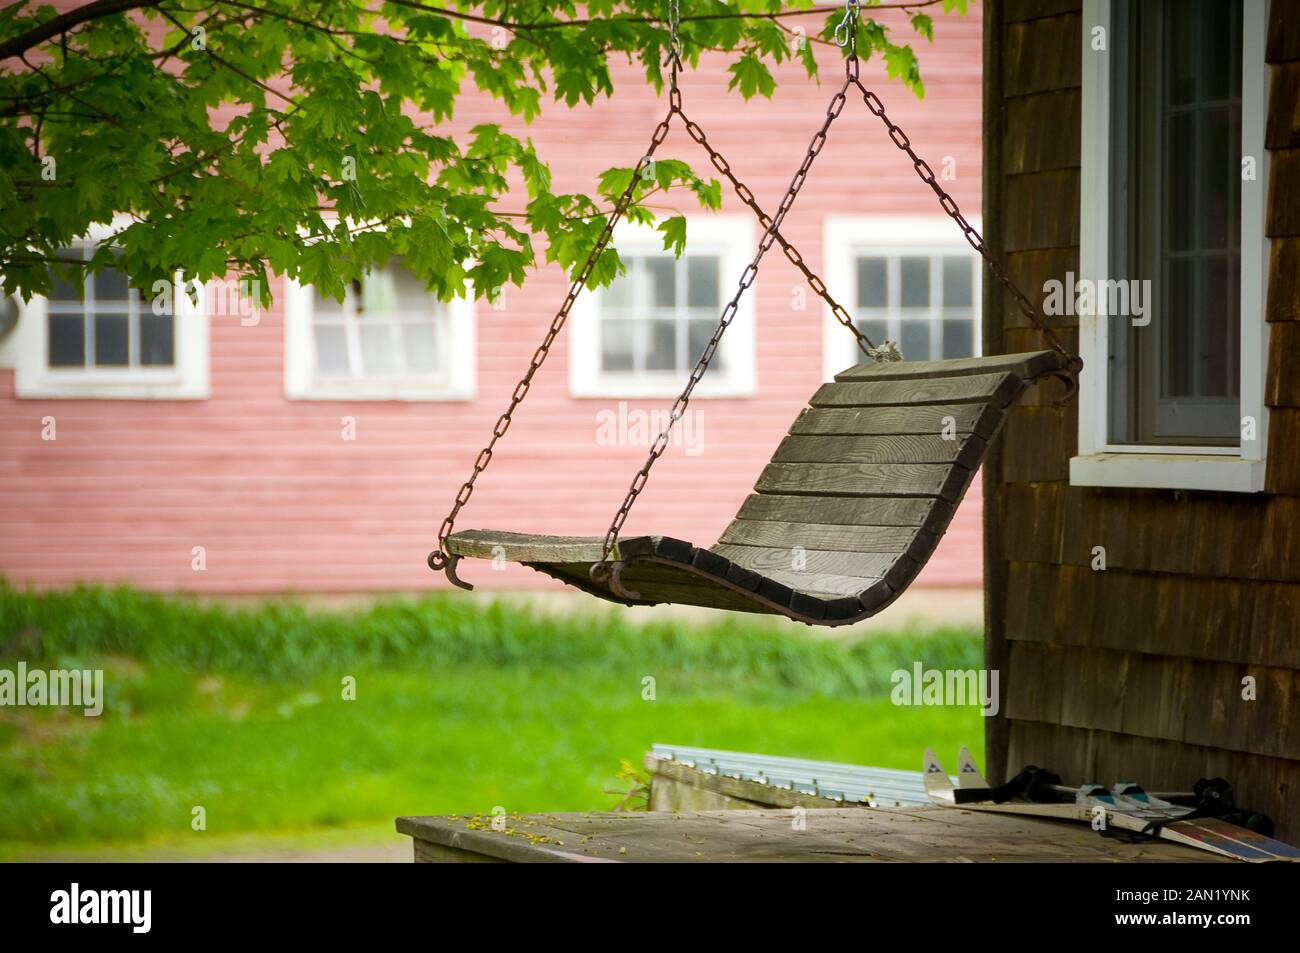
<point>830,835</point>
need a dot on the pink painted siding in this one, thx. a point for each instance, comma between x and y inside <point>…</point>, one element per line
<point>282,503</point>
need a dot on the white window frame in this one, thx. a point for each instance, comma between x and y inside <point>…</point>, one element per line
<point>302,383</point>
<point>1100,462</point>
<point>27,352</point>
<point>729,237</point>
<point>849,237</point>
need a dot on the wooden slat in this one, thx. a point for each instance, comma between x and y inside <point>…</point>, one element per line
<point>1042,54</point>
<point>981,419</point>
<point>541,548</point>
<point>1042,132</point>
<point>775,562</point>
<point>1284,185</point>
<point>1028,364</point>
<point>1030,269</point>
<point>857,539</point>
<point>1284,280</point>
<point>524,547</point>
<point>847,479</point>
<point>1283,474</point>
<point>1284,107</point>
<point>1283,387</point>
<point>933,515</point>
<point>1017,10</point>
<point>1038,443</point>
<point>1026,198</point>
<point>900,448</point>
<point>1283,44</point>
<point>1152,696</point>
<point>1000,389</point>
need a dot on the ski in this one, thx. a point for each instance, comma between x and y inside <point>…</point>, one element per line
<point>1128,807</point>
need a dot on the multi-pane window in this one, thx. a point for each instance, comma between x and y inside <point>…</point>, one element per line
<point>100,321</point>
<point>1176,182</point>
<point>387,326</point>
<point>925,301</point>
<point>658,317</point>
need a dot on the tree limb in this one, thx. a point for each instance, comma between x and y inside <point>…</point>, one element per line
<point>67,21</point>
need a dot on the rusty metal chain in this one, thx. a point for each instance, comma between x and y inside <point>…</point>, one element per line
<point>846,36</point>
<point>747,277</point>
<point>972,235</point>
<point>438,559</point>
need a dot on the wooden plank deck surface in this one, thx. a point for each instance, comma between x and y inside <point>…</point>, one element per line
<point>834,835</point>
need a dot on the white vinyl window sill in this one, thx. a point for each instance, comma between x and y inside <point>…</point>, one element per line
<point>1168,471</point>
<point>90,384</point>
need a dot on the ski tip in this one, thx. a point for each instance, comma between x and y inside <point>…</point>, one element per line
<point>937,783</point>
<point>968,774</point>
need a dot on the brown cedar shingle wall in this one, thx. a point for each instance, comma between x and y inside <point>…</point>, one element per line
<point>1135,672</point>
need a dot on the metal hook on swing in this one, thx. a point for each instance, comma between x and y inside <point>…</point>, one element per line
<point>675,41</point>
<point>844,32</point>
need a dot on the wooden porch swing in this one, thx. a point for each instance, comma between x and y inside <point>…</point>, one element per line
<point>857,495</point>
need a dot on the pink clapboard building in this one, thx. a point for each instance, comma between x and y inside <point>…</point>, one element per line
<point>315,447</point>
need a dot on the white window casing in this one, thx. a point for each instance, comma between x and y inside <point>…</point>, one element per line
<point>456,381</point>
<point>27,348</point>
<point>732,239</point>
<point>1101,462</point>
<point>846,238</point>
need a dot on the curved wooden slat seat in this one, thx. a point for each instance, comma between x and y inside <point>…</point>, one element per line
<point>854,502</point>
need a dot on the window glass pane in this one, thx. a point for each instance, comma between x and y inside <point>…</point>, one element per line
<point>378,296</point>
<point>1176,130</point>
<point>408,290</point>
<point>331,349</point>
<point>662,275</point>
<point>1180,184</point>
<point>914,340</point>
<point>618,296</point>
<point>617,340</point>
<point>326,306</point>
<point>661,345</point>
<point>111,287</point>
<point>914,276</point>
<point>65,290</point>
<point>958,337</point>
<point>67,343</point>
<point>378,356</point>
<point>873,283</point>
<point>392,290</point>
<point>420,345</point>
<point>702,282</point>
<point>157,339</point>
<point>957,283</point>
<point>112,339</point>
<point>699,335</point>
<point>875,330</point>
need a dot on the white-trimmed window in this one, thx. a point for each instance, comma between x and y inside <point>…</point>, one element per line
<point>641,336</point>
<point>388,339</point>
<point>912,280</point>
<point>100,338</point>
<point>1173,256</point>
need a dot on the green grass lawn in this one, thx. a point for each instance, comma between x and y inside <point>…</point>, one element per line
<point>459,707</point>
